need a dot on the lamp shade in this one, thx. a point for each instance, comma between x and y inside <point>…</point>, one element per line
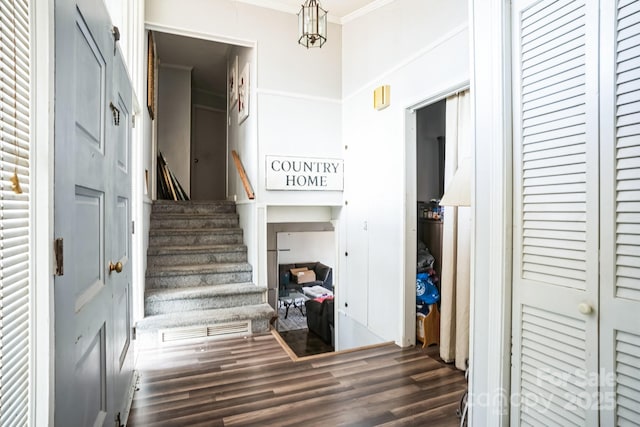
<point>458,192</point>
<point>312,25</point>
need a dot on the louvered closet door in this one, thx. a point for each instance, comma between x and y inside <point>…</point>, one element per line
<point>555,258</point>
<point>620,210</point>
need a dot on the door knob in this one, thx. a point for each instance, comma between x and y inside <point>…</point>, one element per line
<point>585,308</point>
<point>117,267</point>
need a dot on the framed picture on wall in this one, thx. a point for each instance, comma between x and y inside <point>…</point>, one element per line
<point>151,75</point>
<point>233,82</point>
<point>243,94</point>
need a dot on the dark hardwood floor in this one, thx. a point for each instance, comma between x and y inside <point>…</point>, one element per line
<point>253,382</point>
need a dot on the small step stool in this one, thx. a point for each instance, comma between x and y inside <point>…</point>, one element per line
<point>428,327</point>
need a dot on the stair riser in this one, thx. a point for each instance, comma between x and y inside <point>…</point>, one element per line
<point>194,209</point>
<point>192,304</point>
<point>156,282</point>
<point>195,259</point>
<point>149,338</point>
<point>195,239</point>
<point>259,326</point>
<point>159,223</point>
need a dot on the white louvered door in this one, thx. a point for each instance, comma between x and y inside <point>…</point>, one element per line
<point>556,223</point>
<point>16,344</point>
<point>620,210</point>
<point>576,321</point>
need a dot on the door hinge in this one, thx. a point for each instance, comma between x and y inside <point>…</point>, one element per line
<point>133,227</point>
<point>115,32</point>
<point>133,333</point>
<point>58,248</point>
<point>116,114</point>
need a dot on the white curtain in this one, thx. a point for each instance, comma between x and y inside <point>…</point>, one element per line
<point>456,264</point>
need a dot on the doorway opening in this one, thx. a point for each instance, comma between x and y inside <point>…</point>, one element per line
<point>430,162</point>
<point>301,261</point>
<point>437,245</point>
<point>192,116</point>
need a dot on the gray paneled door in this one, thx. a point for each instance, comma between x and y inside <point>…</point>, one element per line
<point>93,362</point>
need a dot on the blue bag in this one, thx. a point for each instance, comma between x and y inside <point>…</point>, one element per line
<point>426,291</point>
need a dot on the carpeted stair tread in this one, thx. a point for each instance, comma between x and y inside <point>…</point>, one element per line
<point>182,231</point>
<point>196,221</point>
<point>153,295</point>
<point>195,249</point>
<point>161,202</point>
<point>187,215</point>
<point>176,270</point>
<point>206,317</point>
<point>198,206</point>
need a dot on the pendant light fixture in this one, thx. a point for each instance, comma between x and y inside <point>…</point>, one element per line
<point>312,24</point>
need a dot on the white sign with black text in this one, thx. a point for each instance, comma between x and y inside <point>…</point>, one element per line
<point>304,173</point>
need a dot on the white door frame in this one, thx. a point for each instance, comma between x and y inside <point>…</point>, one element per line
<point>42,213</point>
<point>410,215</point>
<point>489,380</point>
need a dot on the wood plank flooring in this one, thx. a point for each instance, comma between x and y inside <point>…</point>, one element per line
<point>253,382</point>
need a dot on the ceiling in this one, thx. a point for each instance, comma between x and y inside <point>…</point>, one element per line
<point>208,59</point>
<point>335,8</point>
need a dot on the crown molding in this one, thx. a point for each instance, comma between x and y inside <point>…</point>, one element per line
<point>276,5</point>
<point>364,10</point>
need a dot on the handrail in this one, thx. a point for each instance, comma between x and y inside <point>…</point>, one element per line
<point>243,175</point>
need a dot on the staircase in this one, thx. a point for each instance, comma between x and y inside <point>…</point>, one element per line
<point>198,281</point>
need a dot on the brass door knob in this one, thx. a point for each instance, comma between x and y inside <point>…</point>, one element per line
<point>117,267</point>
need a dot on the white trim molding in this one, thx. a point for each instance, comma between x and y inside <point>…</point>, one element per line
<point>364,10</point>
<point>297,95</point>
<point>43,231</point>
<point>489,380</point>
<point>199,35</point>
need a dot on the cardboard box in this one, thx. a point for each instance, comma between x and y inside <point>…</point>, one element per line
<point>303,275</point>
<point>295,271</point>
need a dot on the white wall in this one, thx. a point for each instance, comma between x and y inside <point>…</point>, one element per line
<point>421,50</point>
<point>174,120</point>
<point>143,154</point>
<point>303,127</point>
<point>309,246</point>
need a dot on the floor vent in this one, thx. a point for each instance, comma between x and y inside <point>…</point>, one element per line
<point>199,332</point>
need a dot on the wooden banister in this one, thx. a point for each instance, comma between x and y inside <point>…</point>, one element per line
<point>243,175</point>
